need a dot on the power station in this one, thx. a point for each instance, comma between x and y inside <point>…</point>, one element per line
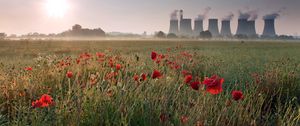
<point>245,27</point>
<point>213,27</point>
<point>269,29</point>
<point>226,29</point>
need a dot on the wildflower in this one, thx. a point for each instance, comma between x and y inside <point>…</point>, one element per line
<point>184,119</point>
<point>185,72</point>
<point>237,95</point>
<point>214,84</point>
<point>144,76</point>
<point>44,101</point>
<point>156,74</point>
<point>163,117</point>
<point>100,55</point>
<point>136,77</point>
<point>153,55</point>
<point>188,78</point>
<point>118,66</point>
<point>36,104</point>
<point>195,85</point>
<point>28,68</point>
<point>69,74</point>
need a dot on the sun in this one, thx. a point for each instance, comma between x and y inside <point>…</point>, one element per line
<point>57,8</point>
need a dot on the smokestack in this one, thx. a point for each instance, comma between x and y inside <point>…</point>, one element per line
<point>225,29</point>
<point>198,27</point>
<point>213,27</point>
<point>174,27</point>
<point>251,28</point>
<point>186,27</point>
<point>242,28</point>
<point>181,14</point>
<point>269,29</point>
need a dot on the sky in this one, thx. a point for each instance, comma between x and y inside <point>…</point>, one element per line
<point>136,16</point>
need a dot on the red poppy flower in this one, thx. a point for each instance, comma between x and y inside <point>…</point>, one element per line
<point>144,77</point>
<point>214,84</point>
<point>100,55</point>
<point>163,117</point>
<point>28,68</point>
<point>44,101</point>
<point>195,85</point>
<point>153,55</point>
<point>185,72</point>
<point>36,104</point>
<point>188,78</point>
<point>237,95</point>
<point>184,119</point>
<point>156,74</point>
<point>118,66</point>
<point>77,61</point>
<point>136,77</point>
<point>69,74</point>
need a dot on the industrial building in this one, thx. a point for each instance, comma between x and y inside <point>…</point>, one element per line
<point>246,27</point>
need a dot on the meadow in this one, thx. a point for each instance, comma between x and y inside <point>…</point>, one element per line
<point>149,82</point>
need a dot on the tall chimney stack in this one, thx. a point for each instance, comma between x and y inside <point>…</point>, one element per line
<point>181,14</point>
<point>225,28</point>
<point>213,27</point>
<point>269,29</point>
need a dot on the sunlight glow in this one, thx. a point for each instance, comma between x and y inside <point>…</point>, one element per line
<point>57,8</point>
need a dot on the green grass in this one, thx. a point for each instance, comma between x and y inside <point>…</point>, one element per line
<point>267,72</point>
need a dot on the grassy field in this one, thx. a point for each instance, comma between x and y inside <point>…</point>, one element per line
<point>102,83</point>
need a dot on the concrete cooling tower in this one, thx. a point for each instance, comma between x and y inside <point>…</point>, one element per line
<point>242,28</point>
<point>186,27</point>
<point>251,28</point>
<point>225,28</point>
<point>198,27</point>
<point>269,29</point>
<point>213,27</point>
<point>174,27</point>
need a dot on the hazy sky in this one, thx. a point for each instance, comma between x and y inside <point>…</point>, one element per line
<point>137,16</point>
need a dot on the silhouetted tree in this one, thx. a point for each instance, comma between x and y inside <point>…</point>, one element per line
<point>172,35</point>
<point>241,36</point>
<point>160,34</point>
<point>205,34</point>
<point>2,35</point>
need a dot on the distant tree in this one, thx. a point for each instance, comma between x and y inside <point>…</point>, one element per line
<point>241,36</point>
<point>160,34</point>
<point>205,34</point>
<point>2,35</point>
<point>172,35</point>
<point>285,37</point>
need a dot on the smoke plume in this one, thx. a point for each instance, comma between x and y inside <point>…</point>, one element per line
<point>174,15</point>
<point>274,15</point>
<point>249,15</point>
<point>204,14</point>
<point>228,17</point>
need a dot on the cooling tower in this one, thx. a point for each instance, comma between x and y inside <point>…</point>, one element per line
<point>186,27</point>
<point>213,27</point>
<point>269,29</point>
<point>198,27</point>
<point>251,28</point>
<point>225,29</point>
<point>174,27</point>
<point>242,28</point>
